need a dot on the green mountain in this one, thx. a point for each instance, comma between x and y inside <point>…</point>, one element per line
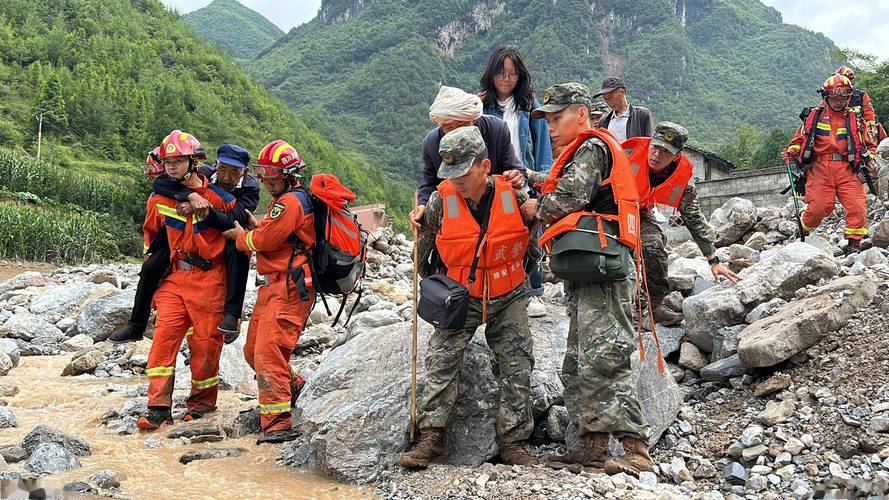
<point>236,29</point>
<point>364,72</point>
<point>110,79</point>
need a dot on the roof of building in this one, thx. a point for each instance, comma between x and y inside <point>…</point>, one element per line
<point>751,172</point>
<point>721,162</point>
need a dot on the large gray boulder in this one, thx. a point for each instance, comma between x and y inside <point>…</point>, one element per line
<point>880,234</point>
<point>30,328</point>
<point>12,349</point>
<point>63,300</point>
<point>47,434</point>
<point>50,457</point>
<point>101,317</point>
<point>779,274</point>
<point>733,220</point>
<point>801,324</point>
<point>19,281</point>
<point>85,361</point>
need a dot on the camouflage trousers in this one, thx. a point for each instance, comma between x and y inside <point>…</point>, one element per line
<point>654,253</point>
<point>509,337</point>
<point>599,390</point>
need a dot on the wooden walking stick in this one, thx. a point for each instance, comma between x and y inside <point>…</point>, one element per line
<point>414,327</point>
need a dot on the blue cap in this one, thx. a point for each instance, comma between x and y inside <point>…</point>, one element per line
<point>233,155</point>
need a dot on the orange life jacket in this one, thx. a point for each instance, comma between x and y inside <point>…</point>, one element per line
<point>501,266</point>
<point>667,193</point>
<point>623,187</point>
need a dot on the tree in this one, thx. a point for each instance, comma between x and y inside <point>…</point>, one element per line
<point>769,152</point>
<point>740,151</point>
<point>51,100</point>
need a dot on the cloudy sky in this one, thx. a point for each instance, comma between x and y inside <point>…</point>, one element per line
<point>855,24</point>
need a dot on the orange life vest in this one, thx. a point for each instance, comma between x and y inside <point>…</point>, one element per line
<point>670,191</point>
<point>501,266</point>
<point>623,187</point>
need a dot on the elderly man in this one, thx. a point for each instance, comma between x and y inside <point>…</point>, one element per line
<point>625,121</point>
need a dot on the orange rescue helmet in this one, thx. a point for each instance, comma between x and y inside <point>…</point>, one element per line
<point>152,167</point>
<point>277,158</point>
<point>847,72</point>
<point>836,86</point>
<point>179,143</point>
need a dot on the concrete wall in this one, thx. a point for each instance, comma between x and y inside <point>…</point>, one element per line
<point>702,165</point>
<point>762,187</point>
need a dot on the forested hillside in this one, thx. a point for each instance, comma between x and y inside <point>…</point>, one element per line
<point>238,30</point>
<point>364,72</point>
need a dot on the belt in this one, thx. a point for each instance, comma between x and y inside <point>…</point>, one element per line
<point>831,157</point>
<point>184,266</point>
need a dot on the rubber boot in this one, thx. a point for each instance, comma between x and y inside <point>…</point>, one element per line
<point>516,454</point>
<point>635,460</point>
<point>854,246</point>
<point>128,333</point>
<point>591,451</point>
<point>428,447</point>
<point>667,317</point>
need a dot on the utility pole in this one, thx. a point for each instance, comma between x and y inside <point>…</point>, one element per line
<point>39,132</point>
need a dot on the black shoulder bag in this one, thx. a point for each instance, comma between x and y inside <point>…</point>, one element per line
<point>444,303</point>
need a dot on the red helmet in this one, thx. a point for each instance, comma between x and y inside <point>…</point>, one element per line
<point>278,157</point>
<point>179,143</point>
<point>153,167</point>
<point>847,72</point>
<point>836,86</point>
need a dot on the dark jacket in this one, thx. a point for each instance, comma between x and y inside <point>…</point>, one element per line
<point>246,194</point>
<point>638,124</point>
<point>537,150</point>
<point>496,135</point>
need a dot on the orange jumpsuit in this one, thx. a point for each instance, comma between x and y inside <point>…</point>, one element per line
<point>154,221</point>
<point>280,313</point>
<point>189,297</point>
<point>830,176</point>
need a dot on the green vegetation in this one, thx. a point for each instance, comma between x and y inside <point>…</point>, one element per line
<point>752,149</point>
<point>111,79</point>
<point>365,73</point>
<point>234,28</point>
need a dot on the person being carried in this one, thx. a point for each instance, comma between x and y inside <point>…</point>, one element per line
<point>663,176</point>
<point>468,200</point>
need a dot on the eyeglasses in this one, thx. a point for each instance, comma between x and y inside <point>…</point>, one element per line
<point>506,77</point>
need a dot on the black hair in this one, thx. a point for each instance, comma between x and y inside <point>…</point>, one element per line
<point>524,89</point>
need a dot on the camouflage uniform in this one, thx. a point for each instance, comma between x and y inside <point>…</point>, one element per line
<point>507,331</point>
<point>653,239</point>
<point>599,391</point>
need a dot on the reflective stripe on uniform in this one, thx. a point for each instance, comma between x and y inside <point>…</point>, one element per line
<point>451,205</point>
<point>168,211</point>
<point>857,231</point>
<point>160,371</point>
<point>249,241</point>
<point>267,409</point>
<point>676,192</point>
<point>807,228</point>
<point>204,384</point>
<point>508,202</point>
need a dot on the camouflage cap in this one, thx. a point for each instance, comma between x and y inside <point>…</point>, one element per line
<point>458,149</point>
<point>670,136</point>
<point>598,108</point>
<point>559,97</point>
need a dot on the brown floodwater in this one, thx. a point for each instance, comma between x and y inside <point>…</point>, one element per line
<point>76,407</point>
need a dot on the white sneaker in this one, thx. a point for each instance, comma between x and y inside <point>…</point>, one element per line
<point>536,309</point>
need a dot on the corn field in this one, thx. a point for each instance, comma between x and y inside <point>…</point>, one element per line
<point>19,174</point>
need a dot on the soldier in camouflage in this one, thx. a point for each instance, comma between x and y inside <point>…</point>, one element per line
<point>465,164</point>
<point>665,161</point>
<point>599,390</point>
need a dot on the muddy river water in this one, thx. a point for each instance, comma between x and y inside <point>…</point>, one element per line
<point>76,406</point>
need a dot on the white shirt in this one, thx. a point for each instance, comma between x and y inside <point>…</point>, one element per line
<point>511,117</point>
<point>618,125</point>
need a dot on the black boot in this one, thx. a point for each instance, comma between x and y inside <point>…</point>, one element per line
<point>229,327</point>
<point>156,417</point>
<point>128,333</point>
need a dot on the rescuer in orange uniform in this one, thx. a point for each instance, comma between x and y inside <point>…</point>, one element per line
<point>192,295</point>
<point>861,104</point>
<point>280,241</point>
<point>832,146</point>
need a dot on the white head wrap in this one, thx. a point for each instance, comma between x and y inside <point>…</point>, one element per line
<point>454,104</point>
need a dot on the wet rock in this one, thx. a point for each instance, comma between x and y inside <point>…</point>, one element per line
<point>733,220</point>
<point>690,357</point>
<point>84,362</point>
<point>101,317</point>
<point>80,487</point>
<point>29,349</point>
<point>12,453</point>
<point>104,276</point>
<point>7,418</point>
<point>209,454</point>
<point>152,443</point>
<point>11,348</point>
<point>28,327</point>
<point>194,429</point>
<point>8,391</point>
<point>106,479</point>
<point>776,383</point>
<point>724,369</point>
<point>776,412</point>
<point>49,457</point>
<point>6,364</point>
<point>47,434</point>
<point>246,423</point>
<point>803,323</point>
<point>77,343</point>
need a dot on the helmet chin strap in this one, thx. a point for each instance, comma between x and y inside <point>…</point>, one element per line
<point>191,170</point>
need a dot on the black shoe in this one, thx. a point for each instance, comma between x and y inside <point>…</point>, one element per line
<point>281,436</point>
<point>126,334</point>
<point>229,327</point>
<point>155,418</point>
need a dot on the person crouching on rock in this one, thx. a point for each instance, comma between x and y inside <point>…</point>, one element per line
<point>192,295</point>
<point>285,301</point>
<point>590,197</point>
<point>454,216</point>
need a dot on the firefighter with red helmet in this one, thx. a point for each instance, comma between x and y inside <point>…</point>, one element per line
<point>862,105</point>
<point>281,240</point>
<point>191,295</point>
<point>832,147</point>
